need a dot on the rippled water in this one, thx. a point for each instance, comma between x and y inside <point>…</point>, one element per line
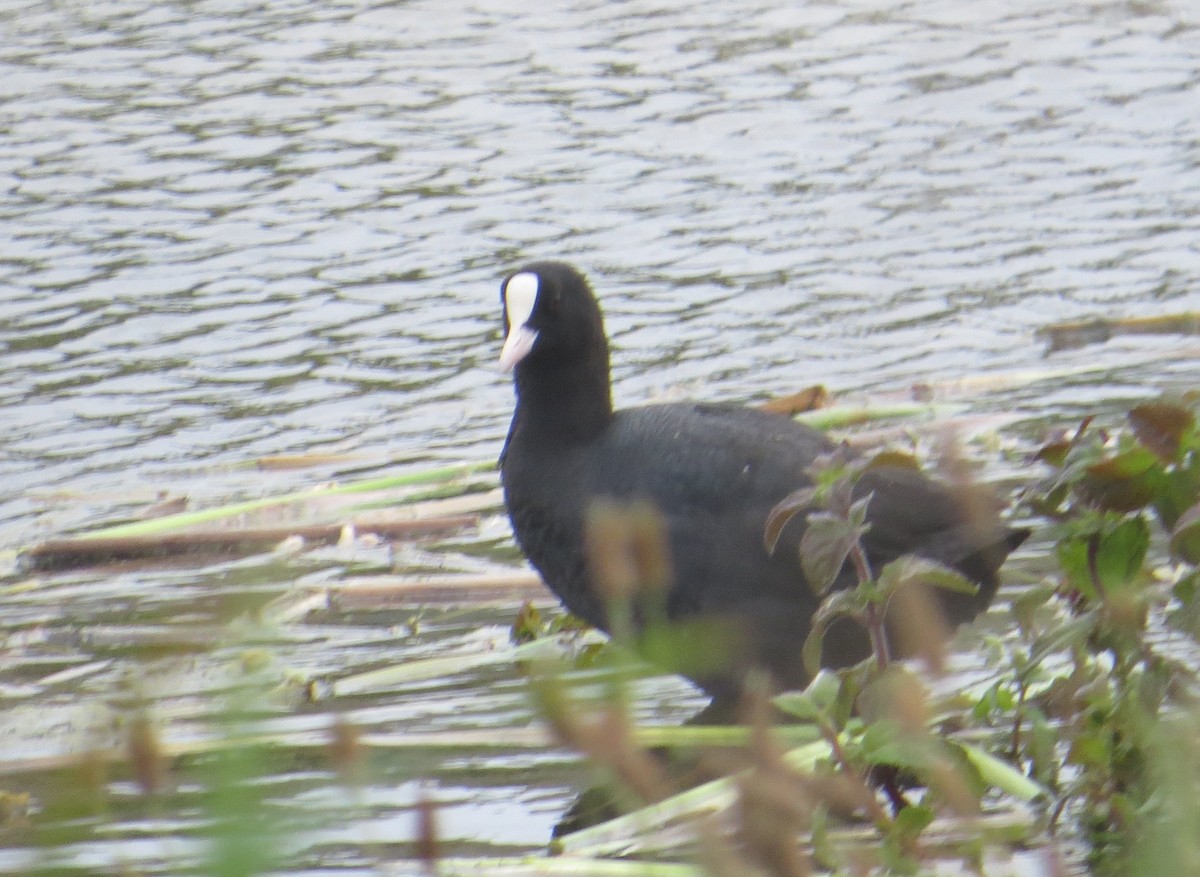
<point>232,230</point>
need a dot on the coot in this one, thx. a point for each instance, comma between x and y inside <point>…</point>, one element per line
<point>713,472</point>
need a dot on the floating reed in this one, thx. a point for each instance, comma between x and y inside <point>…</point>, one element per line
<point>58,554</point>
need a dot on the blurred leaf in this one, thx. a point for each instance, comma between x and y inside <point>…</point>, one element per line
<point>914,819</point>
<point>694,648</point>
<point>910,569</point>
<point>1091,750</point>
<point>1054,453</point>
<point>1187,588</point>
<point>1026,605</point>
<point>1042,746</point>
<point>811,653</point>
<point>589,655</point>
<point>840,604</point>
<point>828,469</point>
<point>827,853</point>
<point>649,547</point>
<point>1002,775</point>
<point>1049,503</point>
<point>824,689</point>
<point>527,625</point>
<point>884,742</point>
<point>1122,552</point>
<point>1119,556</point>
<point>1185,536</point>
<point>853,681</point>
<point>997,698</point>
<point>808,399</point>
<point>798,704</point>
<point>568,623</point>
<point>824,547</point>
<point>1066,635</point>
<point>1125,482</point>
<point>858,512</point>
<point>793,504</point>
<point>1161,428</point>
<point>1185,616</point>
<point>839,496</point>
<point>1073,561</point>
<point>1178,492</point>
<point>813,701</point>
<point>897,459</point>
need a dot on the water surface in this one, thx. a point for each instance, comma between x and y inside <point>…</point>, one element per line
<point>232,231</point>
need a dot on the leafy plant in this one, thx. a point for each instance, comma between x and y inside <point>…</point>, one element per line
<point>878,716</point>
<point>1089,715</point>
<point>1087,666</point>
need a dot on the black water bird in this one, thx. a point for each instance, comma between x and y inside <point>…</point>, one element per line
<point>713,472</point>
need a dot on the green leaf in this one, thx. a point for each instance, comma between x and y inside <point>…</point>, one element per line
<point>827,853</point>
<point>1122,552</point>
<point>910,570</point>
<point>1178,491</point>
<point>913,819</point>
<point>1091,750</point>
<point>691,647</point>
<point>1185,615</point>
<point>1002,775</point>
<point>883,743</point>
<point>1185,536</point>
<point>858,512</point>
<point>814,701</point>
<point>1073,561</point>
<point>1026,605</point>
<point>791,505</point>
<point>1042,746</point>
<point>1064,636</point>
<point>1054,453</point>
<point>811,653</point>
<point>799,705</point>
<point>527,626</point>
<point>841,604</point>
<point>1119,555</point>
<point>1187,588</point>
<point>824,547</point>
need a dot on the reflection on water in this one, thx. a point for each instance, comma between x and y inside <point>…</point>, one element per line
<point>228,231</point>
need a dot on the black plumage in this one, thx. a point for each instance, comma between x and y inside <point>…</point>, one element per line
<point>713,472</point>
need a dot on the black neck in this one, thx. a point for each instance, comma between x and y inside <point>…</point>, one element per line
<point>572,399</point>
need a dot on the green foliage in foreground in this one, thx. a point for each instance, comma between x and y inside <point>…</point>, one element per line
<point>1091,701</point>
<point>1101,706</point>
<point>1084,738</point>
<point>1090,714</point>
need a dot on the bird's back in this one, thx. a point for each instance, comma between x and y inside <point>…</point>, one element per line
<point>714,472</point>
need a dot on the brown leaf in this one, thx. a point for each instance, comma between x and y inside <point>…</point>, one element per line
<point>809,399</point>
<point>897,459</point>
<point>786,509</point>
<point>1121,483</point>
<point>1054,453</point>
<point>1161,427</point>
